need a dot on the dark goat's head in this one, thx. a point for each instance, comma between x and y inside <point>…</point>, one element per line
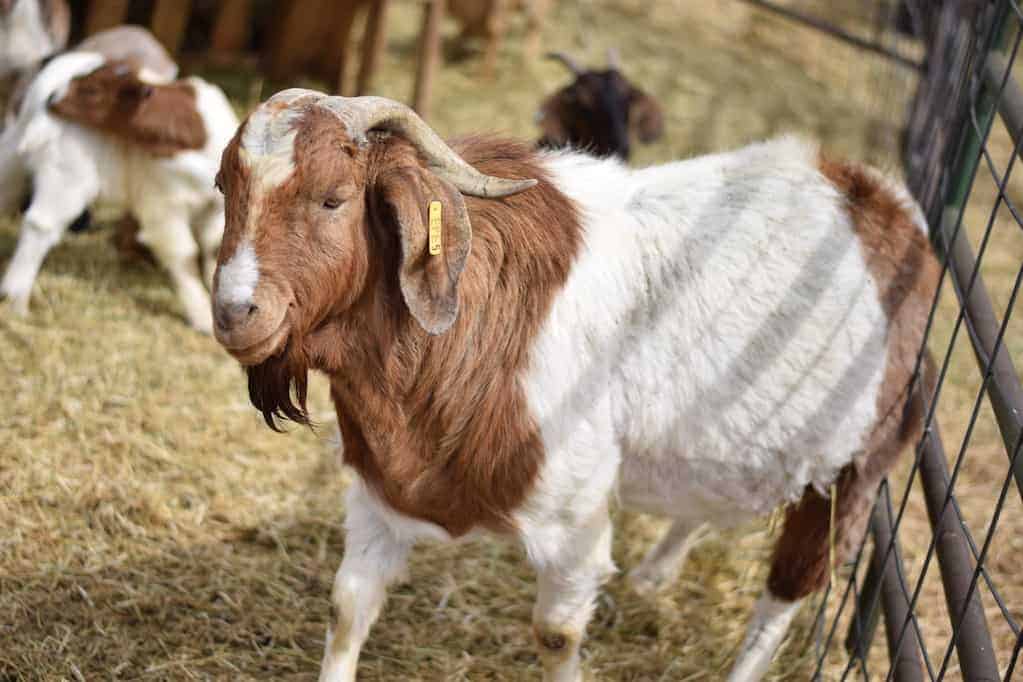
<point>599,111</point>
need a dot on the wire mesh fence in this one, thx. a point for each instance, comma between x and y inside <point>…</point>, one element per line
<point>963,138</point>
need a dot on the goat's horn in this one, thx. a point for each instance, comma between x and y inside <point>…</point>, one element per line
<point>569,63</point>
<point>614,59</point>
<point>362,114</point>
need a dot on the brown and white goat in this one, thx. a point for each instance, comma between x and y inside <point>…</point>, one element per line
<point>598,112</point>
<point>513,338</point>
<point>92,131</point>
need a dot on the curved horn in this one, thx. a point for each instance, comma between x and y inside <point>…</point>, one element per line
<point>362,114</point>
<point>614,59</point>
<point>569,63</point>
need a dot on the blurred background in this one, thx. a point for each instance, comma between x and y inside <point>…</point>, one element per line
<point>152,528</point>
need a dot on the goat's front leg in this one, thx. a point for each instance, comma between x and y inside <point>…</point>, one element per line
<point>170,239</point>
<point>374,558</point>
<point>56,201</point>
<point>568,582</point>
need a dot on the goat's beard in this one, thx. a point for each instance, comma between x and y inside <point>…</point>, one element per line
<point>271,382</point>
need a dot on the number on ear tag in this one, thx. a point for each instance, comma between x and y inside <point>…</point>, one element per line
<point>435,228</point>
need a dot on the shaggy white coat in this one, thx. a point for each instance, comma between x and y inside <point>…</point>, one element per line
<point>719,345</point>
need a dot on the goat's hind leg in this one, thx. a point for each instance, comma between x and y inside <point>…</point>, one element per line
<point>801,564</point>
<point>663,563</point>
<point>172,243</point>
<point>209,231</point>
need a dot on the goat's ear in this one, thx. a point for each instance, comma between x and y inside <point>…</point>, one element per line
<point>645,116</point>
<point>429,283</point>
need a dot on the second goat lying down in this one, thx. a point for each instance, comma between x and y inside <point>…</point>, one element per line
<point>705,340</point>
<point>92,131</point>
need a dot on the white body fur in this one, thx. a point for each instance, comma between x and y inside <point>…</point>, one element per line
<point>719,345</point>
<point>72,167</point>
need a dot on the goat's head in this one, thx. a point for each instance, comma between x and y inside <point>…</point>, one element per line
<point>162,118</point>
<point>326,196</point>
<point>598,111</point>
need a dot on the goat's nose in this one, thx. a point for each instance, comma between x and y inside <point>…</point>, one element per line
<point>230,316</point>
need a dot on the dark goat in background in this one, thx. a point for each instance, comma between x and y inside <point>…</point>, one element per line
<point>598,111</point>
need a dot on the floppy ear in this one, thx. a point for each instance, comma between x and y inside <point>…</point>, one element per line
<point>645,116</point>
<point>429,283</point>
<point>164,119</point>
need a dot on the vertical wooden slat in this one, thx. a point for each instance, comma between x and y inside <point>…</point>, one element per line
<point>170,18</point>
<point>429,55</point>
<point>341,41</point>
<point>496,20</point>
<point>232,29</point>
<point>373,43</point>
<point>299,40</point>
<point>536,13</point>
<point>105,13</point>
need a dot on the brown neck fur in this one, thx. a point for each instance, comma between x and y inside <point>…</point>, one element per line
<point>438,426</point>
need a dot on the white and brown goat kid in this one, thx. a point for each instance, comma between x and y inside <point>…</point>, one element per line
<point>705,340</point>
<point>92,131</point>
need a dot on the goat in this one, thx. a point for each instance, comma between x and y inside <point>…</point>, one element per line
<point>515,337</point>
<point>133,44</point>
<point>598,111</point>
<point>91,130</point>
<point>487,19</point>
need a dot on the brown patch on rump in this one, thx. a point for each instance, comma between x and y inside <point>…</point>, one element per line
<point>162,119</point>
<point>902,265</point>
<point>437,425</point>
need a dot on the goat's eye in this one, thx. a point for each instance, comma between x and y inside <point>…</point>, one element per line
<point>332,203</point>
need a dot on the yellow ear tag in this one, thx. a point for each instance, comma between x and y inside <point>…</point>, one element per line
<point>435,228</point>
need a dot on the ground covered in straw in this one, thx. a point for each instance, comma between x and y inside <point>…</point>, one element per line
<point>152,528</point>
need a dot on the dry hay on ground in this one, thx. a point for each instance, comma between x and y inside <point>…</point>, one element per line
<point>154,529</point>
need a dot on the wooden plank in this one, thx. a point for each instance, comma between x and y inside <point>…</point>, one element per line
<point>105,13</point>
<point>299,42</point>
<point>233,27</point>
<point>341,40</point>
<point>496,25</point>
<point>170,19</point>
<point>374,40</point>
<point>429,55</point>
